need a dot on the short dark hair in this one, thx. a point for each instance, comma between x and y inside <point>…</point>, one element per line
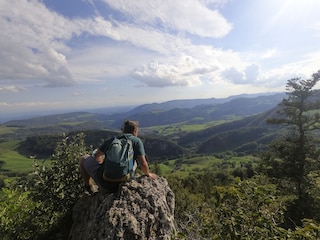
<point>129,126</point>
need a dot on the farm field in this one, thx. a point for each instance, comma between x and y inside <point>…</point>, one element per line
<point>176,129</point>
<point>6,130</point>
<point>11,160</point>
<point>184,167</point>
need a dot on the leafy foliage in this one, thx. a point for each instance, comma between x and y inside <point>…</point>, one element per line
<point>59,185</point>
<point>17,218</point>
<point>292,159</point>
<point>246,210</point>
<point>249,209</point>
<point>215,204</point>
<point>42,146</point>
<point>44,203</point>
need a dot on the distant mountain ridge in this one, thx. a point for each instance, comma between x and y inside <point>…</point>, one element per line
<point>244,135</point>
<point>237,124</point>
<point>190,103</point>
<point>151,115</point>
<point>198,110</point>
<point>272,98</point>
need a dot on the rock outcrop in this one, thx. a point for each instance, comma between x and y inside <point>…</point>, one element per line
<point>143,209</point>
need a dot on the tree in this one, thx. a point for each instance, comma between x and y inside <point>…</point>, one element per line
<point>17,218</point>
<point>292,158</point>
<point>249,209</point>
<point>41,207</point>
<point>59,184</point>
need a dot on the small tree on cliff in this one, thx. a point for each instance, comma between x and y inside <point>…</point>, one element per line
<point>293,158</point>
<point>41,207</point>
<point>57,186</point>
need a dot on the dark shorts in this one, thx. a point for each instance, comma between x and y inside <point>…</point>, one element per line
<point>95,170</point>
<point>92,167</point>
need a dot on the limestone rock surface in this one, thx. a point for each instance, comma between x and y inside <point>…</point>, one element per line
<point>142,209</point>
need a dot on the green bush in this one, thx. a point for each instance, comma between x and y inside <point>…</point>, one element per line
<point>59,184</point>
<point>17,218</point>
<point>246,209</point>
<point>43,205</point>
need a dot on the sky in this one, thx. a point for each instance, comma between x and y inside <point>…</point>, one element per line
<point>82,54</point>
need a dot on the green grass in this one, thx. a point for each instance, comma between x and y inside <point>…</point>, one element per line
<point>6,130</point>
<point>178,128</point>
<point>71,124</point>
<point>183,167</point>
<point>13,161</point>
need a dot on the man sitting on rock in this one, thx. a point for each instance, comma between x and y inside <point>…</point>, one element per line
<point>115,160</point>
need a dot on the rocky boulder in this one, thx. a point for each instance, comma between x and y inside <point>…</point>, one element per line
<point>142,209</point>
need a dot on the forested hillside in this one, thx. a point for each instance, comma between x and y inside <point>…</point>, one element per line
<point>238,125</point>
<point>157,148</point>
<point>156,125</point>
<point>246,135</point>
<point>199,114</point>
<point>224,110</point>
<point>241,176</point>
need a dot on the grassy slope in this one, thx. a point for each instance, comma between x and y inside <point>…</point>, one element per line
<point>176,129</point>
<point>13,161</point>
<point>6,130</point>
<point>180,167</point>
<point>184,167</point>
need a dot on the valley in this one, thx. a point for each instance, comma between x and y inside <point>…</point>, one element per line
<point>180,139</point>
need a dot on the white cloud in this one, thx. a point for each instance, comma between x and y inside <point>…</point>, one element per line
<point>270,53</point>
<point>12,88</point>
<point>153,47</point>
<point>175,16</point>
<point>279,76</point>
<point>252,73</point>
<point>316,28</point>
<point>145,38</point>
<point>167,50</point>
<point>162,75</point>
<point>184,70</point>
<point>33,40</point>
<point>234,75</point>
<point>32,43</point>
<point>249,75</point>
<point>4,104</point>
<point>217,3</point>
<point>26,105</point>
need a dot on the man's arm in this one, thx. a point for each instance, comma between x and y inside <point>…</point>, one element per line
<point>145,167</point>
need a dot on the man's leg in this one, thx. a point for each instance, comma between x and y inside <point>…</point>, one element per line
<point>89,170</point>
<point>85,175</point>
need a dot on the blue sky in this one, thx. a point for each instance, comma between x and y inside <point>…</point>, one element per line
<point>75,54</point>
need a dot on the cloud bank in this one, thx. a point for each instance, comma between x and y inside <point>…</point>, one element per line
<point>182,46</point>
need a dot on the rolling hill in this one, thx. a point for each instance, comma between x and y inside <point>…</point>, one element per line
<point>190,103</point>
<point>225,109</point>
<point>250,133</point>
<point>228,109</point>
<point>240,125</point>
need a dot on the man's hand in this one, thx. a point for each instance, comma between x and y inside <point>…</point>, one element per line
<point>145,167</point>
<point>99,156</point>
<point>153,176</point>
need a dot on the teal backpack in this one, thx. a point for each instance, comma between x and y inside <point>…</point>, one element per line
<point>118,163</point>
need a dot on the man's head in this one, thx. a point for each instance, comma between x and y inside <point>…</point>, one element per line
<point>130,127</point>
